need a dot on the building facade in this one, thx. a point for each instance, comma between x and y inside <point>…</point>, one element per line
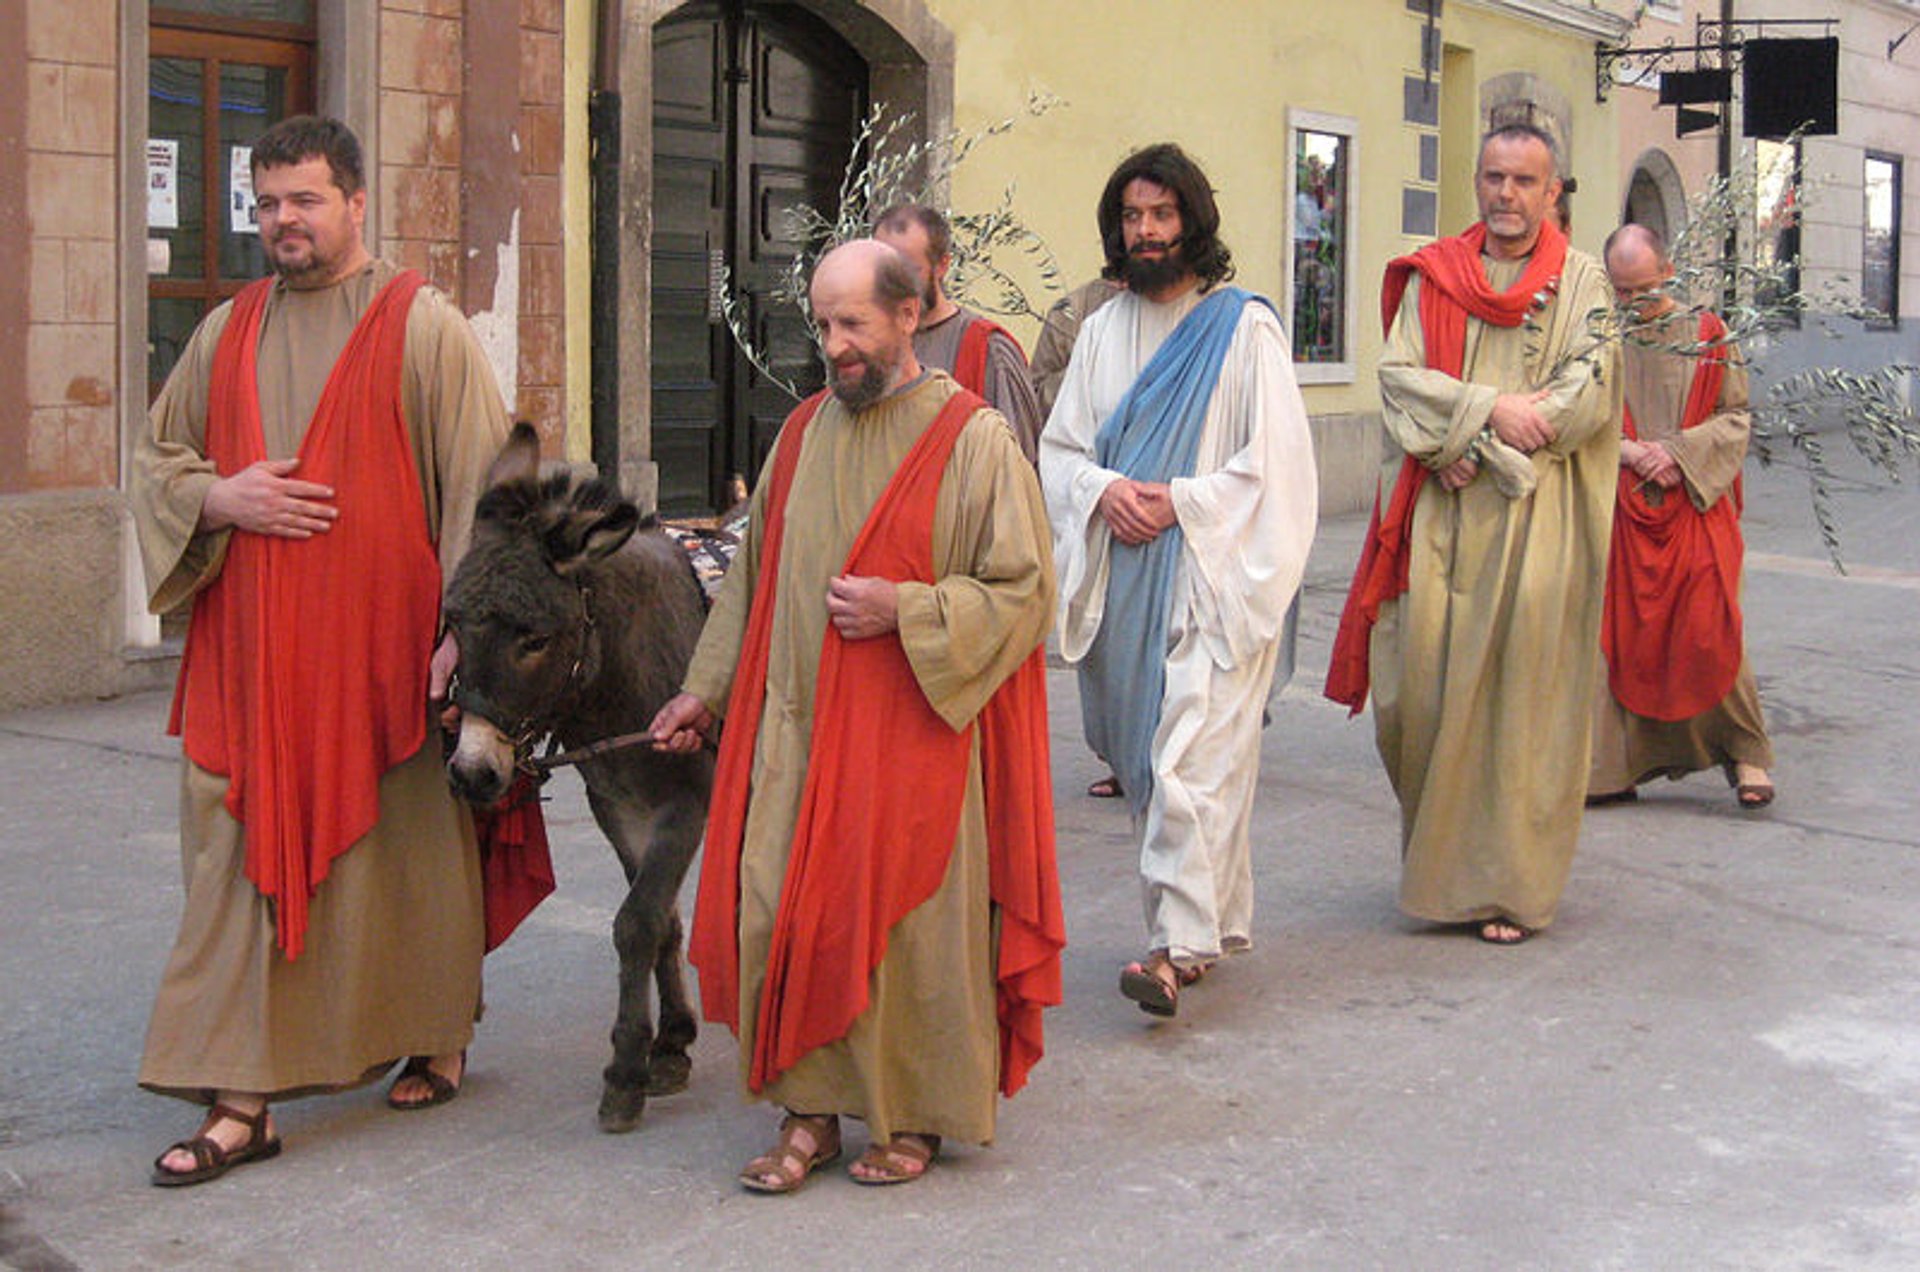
<point>1855,232</point>
<point>598,182</point>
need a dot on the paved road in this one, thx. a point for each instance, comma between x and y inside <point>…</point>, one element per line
<point>1713,1059</point>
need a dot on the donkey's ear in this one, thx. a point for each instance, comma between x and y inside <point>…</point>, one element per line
<point>587,534</point>
<point>519,459</point>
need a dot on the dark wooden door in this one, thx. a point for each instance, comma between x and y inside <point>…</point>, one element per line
<point>755,108</point>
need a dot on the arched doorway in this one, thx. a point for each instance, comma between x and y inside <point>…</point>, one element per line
<point>754,111</point>
<point>1656,197</point>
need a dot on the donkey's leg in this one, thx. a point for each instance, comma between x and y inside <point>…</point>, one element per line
<point>677,833</point>
<point>670,1067</point>
<point>637,931</point>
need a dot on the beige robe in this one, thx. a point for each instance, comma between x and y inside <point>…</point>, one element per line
<point>398,918</point>
<point>1629,749</point>
<point>1005,385</point>
<point>1483,670</point>
<point>924,1056</point>
<point>1054,347</point>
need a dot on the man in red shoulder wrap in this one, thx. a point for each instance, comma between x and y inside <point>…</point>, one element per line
<point>1474,618</point>
<point>879,915</point>
<point>1677,695</point>
<point>980,354</point>
<point>307,480</point>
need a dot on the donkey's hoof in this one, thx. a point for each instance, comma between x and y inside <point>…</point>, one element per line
<point>620,1109</point>
<point>668,1074</point>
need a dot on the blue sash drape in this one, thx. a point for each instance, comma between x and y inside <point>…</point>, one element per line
<point>1152,435</point>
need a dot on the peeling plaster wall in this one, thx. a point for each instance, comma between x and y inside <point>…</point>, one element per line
<point>498,325</point>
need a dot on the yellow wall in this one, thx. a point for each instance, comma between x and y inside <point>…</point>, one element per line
<point>1219,78</point>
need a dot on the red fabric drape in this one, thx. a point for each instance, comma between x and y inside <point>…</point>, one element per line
<point>866,851</point>
<point>970,363</point>
<point>1671,628</point>
<point>305,675</point>
<point>516,862</point>
<point>1453,286</point>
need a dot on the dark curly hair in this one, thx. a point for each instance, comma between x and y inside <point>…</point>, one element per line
<point>1167,166</point>
<point>298,138</point>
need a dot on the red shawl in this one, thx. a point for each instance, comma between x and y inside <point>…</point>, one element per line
<point>1671,630</point>
<point>970,364</point>
<point>1453,286</point>
<point>885,786</point>
<point>305,673</point>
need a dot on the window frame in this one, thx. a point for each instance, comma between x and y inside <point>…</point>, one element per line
<point>1898,164</point>
<point>1347,129</point>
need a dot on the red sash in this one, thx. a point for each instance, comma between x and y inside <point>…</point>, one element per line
<point>1671,629</point>
<point>305,673</point>
<point>1453,286</point>
<point>886,781</point>
<point>970,363</point>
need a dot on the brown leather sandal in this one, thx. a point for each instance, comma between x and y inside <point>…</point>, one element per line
<point>440,1088</point>
<point>787,1166</point>
<point>901,1160</point>
<point>1157,994</point>
<point>211,1160</point>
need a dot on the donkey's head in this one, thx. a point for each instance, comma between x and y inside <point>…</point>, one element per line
<point>520,607</point>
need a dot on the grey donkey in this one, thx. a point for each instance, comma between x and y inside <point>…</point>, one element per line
<point>576,617</point>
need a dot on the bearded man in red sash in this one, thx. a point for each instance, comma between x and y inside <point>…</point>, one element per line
<point>879,914</point>
<point>1678,694</point>
<point>308,480</point>
<point>1474,616</point>
<point>980,354</point>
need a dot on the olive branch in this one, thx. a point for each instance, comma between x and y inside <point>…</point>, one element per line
<point>883,169</point>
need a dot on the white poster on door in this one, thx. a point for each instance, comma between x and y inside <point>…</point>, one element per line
<point>240,191</point>
<point>163,183</point>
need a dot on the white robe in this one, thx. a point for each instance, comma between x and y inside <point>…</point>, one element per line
<point>1247,515</point>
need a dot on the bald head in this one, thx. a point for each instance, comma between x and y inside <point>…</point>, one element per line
<point>1638,267</point>
<point>1635,244</point>
<point>866,307</point>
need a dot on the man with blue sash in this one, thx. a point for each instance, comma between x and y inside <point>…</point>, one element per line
<point>1179,478</point>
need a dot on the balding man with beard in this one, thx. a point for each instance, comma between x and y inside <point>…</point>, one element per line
<point>879,917</point>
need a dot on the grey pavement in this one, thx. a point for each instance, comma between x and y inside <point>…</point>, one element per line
<point>1712,1059</point>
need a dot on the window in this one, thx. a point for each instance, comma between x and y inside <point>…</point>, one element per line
<point>1776,226</point>
<point>219,73</point>
<point>1880,241</point>
<point>1319,265</point>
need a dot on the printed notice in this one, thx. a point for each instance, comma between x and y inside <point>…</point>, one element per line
<point>163,183</point>
<point>240,191</point>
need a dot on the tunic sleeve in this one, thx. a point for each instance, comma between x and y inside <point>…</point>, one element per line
<point>968,631</point>
<point>456,415</point>
<point>1248,522</point>
<point>1584,394</point>
<point>1430,415</point>
<point>1711,453</point>
<point>710,673</point>
<point>1073,482</point>
<point>171,474</point>
<point>1010,391</point>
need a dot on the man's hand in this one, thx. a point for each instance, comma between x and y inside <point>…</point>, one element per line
<point>440,676</point>
<point>262,499</point>
<point>681,726</point>
<point>1136,511</point>
<point>1656,464</point>
<point>862,608</point>
<point>1456,475</point>
<point>1517,421</point>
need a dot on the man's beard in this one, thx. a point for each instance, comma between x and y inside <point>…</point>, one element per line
<point>864,392</point>
<point>1146,275</point>
<point>313,269</point>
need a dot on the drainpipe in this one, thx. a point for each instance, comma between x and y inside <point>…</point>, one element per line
<point>603,140</point>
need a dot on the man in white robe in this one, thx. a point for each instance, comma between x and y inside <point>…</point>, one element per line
<point>1237,509</point>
